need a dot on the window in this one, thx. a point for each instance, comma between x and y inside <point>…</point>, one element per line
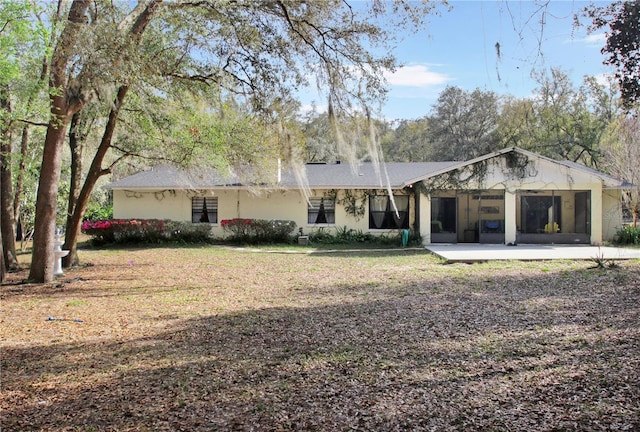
<point>382,215</point>
<point>204,210</point>
<point>541,214</point>
<point>321,211</point>
<point>443,215</point>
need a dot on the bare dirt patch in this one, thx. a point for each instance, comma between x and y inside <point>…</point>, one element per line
<point>211,338</point>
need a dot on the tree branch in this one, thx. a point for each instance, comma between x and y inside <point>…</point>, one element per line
<point>31,122</point>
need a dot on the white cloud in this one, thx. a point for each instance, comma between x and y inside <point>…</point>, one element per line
<point>416,76</point>
<point>595,40</point>
<point>604,79</point>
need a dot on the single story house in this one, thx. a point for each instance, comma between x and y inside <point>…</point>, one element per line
<point>508,196</point>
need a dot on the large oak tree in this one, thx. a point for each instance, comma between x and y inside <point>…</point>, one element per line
<point>259,53</point>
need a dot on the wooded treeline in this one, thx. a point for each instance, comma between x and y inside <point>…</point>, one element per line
<point>91,90</point>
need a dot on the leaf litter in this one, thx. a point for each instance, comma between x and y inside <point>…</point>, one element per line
<point>200,339</point>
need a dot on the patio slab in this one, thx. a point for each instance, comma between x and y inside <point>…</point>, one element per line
<point>484,252</point>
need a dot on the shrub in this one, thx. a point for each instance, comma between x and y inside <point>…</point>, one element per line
<point>237,228</point>
<point>141,231</point>
<point>258,230</point>
<point>345,235</point>
<point>321,236</point>
<point>628,235</point>
<point>96,211</point>
<point>187,232</point>
<point>277,230</point>
<point>100,230</point>
<point>145,231</point>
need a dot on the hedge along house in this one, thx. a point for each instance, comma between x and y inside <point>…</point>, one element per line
<point>509,196</point>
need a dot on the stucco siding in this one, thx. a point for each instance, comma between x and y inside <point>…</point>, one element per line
<point>611,213</point>
<point>151,205</point>
<point>537,174</point>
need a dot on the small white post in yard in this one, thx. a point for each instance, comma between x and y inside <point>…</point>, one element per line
<point>59,254</point>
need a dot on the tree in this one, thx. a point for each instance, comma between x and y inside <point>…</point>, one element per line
<point>319,143</point>
<point>621,159</point>
<point>464,124</point>
<point>410,141</point>
<point>67,96</point>
<point>516,123</point>
<point>622,49</point>
<point>137,23</point>
<point>260,53</point>
<point>7,226</point>
<point>20,43</point>
<point>560,121</point>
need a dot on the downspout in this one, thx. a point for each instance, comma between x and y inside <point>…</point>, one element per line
<point>238,203</point>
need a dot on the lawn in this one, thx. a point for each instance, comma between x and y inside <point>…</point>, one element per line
<point>212,338</point>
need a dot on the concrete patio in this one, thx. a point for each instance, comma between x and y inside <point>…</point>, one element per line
<point>471,252</point>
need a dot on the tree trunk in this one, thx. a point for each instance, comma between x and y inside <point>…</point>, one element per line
<point>7,219</point>
<point>138,20</point>
<point>2,263</point>
<point>22,166</point>
<point>76,145</point>
<point>7,224</point>
<point>3,271</point>
<point>74,221</point>
<point>62,108</point>
<point>45,224</point>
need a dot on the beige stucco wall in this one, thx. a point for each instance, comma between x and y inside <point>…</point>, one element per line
<point>273,204</point>
<point>151,205</point>
<point>611,213</point>
<point>176,205</point>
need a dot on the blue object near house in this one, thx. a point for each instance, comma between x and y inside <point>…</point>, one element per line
<point>405,237</point>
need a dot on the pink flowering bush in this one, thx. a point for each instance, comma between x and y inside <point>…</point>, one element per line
<point>102,231</point>
<point>162,231</point>
<point>145,231</point>
<point>237,228</point>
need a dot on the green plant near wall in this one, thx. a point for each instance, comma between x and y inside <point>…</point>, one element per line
<point>353,202</point>
<point>628,235</point>
<point>517,166</point>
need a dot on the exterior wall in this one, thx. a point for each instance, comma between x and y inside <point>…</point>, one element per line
<point>596,215</point>
<point>510,222</point>
<point>346,219</point>
<point>424,202</point>
<point>275,204</point>
<point>278,204</point>
<point>176,205</point>
<point>151,205</point>
<point>611,213</point>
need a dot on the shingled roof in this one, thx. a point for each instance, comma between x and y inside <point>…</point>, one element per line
<point>320,176</point>
<point>365,175</point>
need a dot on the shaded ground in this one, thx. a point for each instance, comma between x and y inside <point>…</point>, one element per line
<point>200,339</point>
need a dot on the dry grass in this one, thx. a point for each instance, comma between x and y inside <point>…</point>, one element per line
<point>201,339</point>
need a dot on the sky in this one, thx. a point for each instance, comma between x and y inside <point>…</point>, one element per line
<point>458,48</point>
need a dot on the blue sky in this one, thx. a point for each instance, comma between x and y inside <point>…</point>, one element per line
<point>459,48</point>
